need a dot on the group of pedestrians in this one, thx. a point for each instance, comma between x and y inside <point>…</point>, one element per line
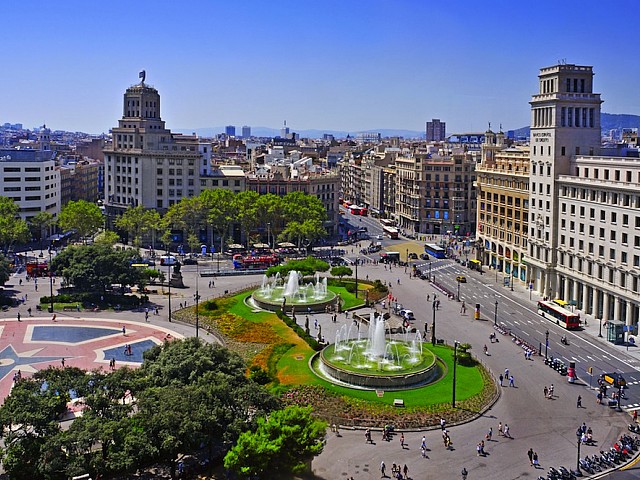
<point>397,472</point>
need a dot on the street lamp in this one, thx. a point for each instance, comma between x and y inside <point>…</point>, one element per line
<point>600,325</point>
<point>579,435</point>
<point>433,325</point>
<point>50,283</point>
<point>196,297</point>
<point>512,281</point>
<point>429,270</point>
<point>269,234</point>
<point>495,314</point>
<point>458,295</point>
<point>407,256</point>
<point>455,360</point>
<point>356,277</point>
<point>546,343</point>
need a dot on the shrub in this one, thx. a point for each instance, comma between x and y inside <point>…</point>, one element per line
<point>312,342</point>
<point>258,375</point>
<point>464,356</point>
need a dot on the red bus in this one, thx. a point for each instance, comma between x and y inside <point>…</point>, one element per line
<point>259,262</point>
<point>391,232</point>
<point>562,316</point>
<point>387,222</point>
<point>356,210</point>
<point>36,269</point>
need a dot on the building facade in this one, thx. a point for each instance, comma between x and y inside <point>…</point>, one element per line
<point>436,130</point>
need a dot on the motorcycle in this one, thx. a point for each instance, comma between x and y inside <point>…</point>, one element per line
<point>634,427</point>
<point>564,341</point>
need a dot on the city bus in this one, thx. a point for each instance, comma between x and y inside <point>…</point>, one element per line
<point>356,210</point>
<point>258,262</point>
<point>434,250</point>
<point>387,222</point>
<point>391,232</point>
<point>562,316</point>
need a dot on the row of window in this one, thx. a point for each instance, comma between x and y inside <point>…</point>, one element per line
<point>601,271</point>
<point>18,169</point>
<point>611,218</point>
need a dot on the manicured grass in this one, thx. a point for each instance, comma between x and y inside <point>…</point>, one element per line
<point>349,300</point>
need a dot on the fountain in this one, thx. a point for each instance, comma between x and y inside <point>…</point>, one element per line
<point>276,293</point>
<point>376,361</point>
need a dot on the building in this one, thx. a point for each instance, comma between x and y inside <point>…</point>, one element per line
<point>436,130</point>
<point>246,131</point>
<point>79,180</point>
<point>503,208</point>
<point>230,131</point>
<point>145,163</point>
<point>29,177</point>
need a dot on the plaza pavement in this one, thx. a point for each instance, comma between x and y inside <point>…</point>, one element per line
<point>547,426</point>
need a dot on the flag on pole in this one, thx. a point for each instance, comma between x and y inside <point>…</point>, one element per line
<point>142,75</point>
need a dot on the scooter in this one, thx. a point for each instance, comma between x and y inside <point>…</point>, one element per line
<point>564,341</point>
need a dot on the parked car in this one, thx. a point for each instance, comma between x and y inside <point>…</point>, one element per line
<point>407,314</point>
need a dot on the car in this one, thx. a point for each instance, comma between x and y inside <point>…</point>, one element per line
<point>413,256</point>
<point>461,279</point>
<point>378,237</point>
<point>407,314</point>
<point>424,256</point>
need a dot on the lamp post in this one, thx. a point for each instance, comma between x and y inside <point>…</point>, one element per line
<point>50,283</point>
<point>196,297</point>
<point>495,314</point>
<point>458,293</point>
<point>433,324</point>
<point>600,325</point>
<point>269,234</point>
<point>546,343</point>
<point>429,270</point>
<point>407,256</point>
<point>579,435</point>
<point>512,280</point>
<point>455,360</point>
<point>356,277</point>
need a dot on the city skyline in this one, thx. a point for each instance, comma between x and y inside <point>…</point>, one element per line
<point>346,66</point>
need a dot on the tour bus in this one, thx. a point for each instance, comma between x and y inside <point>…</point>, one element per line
<point>235,249</point>
<point>563,317</point>
<point>37,269</point>
<point>356,210</point>
<point>391,232</point>
<point>259,262</point>
<point>434,250</point>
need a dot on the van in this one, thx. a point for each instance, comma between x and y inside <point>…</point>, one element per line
<point>167,260</point>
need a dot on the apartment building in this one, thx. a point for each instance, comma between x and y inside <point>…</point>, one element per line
<point>503,208</point>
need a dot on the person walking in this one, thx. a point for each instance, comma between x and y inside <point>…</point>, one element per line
<point>405,472</point>
<point>501,378</point>
<point>530,455</point>
<point>62,362</point>
<point>506,373</point>
<point>551,391</point>
<point>546,391</point>
<point>489,434</point>
<point>383,469</point>
<point>19,317</point>
<point>463,308</point>
<point>402,441</point>
<point>29,311</point>
<point>536,463</point>
<point>499,428</point>
<point>579,402</point>
<point>511,381</point>
<point>124,330</point>
<point>506,431</point>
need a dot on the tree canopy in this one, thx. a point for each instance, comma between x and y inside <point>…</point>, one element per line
<point>82,216</point>
<point>12,228</point>
<point>96,267</point>
<point>138,222</point>
<point>187,395</point>
<point>307,266</point>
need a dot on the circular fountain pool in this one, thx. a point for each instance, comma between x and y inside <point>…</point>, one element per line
<point>276,293</point>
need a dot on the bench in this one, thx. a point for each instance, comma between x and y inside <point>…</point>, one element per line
<point>398,402</point>
<point>68,308</point>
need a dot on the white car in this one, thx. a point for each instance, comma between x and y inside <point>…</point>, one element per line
<point>407,314</point>
<point>378,237</point>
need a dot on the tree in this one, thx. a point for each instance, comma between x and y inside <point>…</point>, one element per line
<point>269,212</point>
<point>308,266</point>
<point>138,222</point>
<point>96,267</point>
<point>12,228</point>
<point>40,222</point>
<point>189,215</point>
<point>299,206</point>
<point>221,212</point>
<point>107,237</point>
<point>341,271</point>
<point>82,216</point>
<point>282,444</point>
<point>246,207</point>
<point>5,269</point>
<point>310,230</point>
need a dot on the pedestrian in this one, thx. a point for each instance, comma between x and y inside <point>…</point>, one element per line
<point>367,435</point>
<point>19,317</point>
<point>146,316</point>
<point>463,308</point>
<point>62,362</point>
<point>486,350</point>
<point>405,471</point>
<point>402,440</point>
<point>53,319</point>
<point>511,382</point>
<point>579,402</point>
<point>506,373</point>
<point>156,311</point>
<point>36,287</point>
<point>546,391</point>
<point>383,469</point>
<point>535,459</point>
<point>124,330</point>
<point>501,378</point>
<point>29,311</point>
<point>506,431</point>
<point>551,391</point>
<point>315,323</point>
<point>443,424</point>
<point>489,434</point>
<point>20,282</point>
<point>530,455</point>
<point>423,443</point>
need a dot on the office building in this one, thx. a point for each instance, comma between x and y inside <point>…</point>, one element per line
<point>436,130</point>
<point>246,131</point>
<point>230,130</point>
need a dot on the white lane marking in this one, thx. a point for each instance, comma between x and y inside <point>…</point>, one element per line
<point>525,333</point>
<point>590,358</point>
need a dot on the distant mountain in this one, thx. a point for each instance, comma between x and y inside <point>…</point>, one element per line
<point>608,121</point>
<point>313,133</point>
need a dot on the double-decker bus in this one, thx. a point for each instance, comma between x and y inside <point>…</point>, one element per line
<point>259,262</point>
<point>391,232</point>
<point>434,250</point>
<point>562,316</point>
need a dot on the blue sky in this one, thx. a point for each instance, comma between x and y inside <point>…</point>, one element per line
<point>326,64</point>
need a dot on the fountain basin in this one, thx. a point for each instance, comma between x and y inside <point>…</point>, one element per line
<point>277,293</point>
<point>351,366</point>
